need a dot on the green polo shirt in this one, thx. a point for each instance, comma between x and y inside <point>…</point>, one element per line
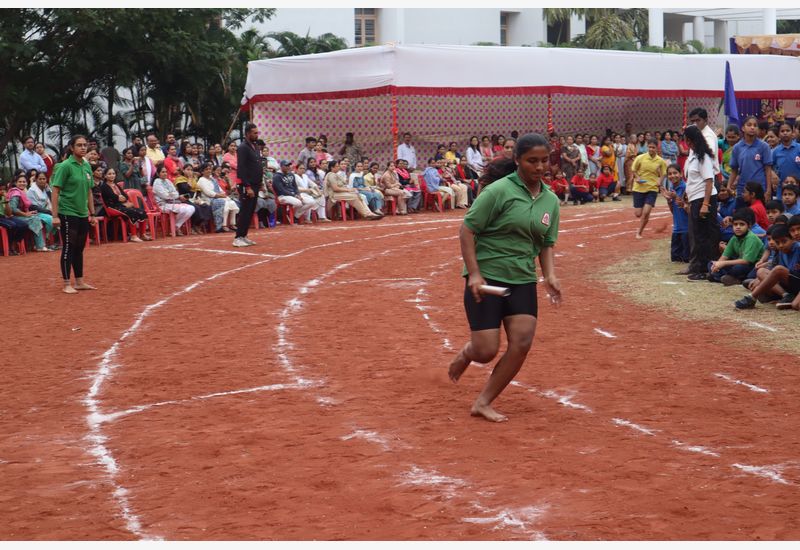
<point>511,228</point>
<point>75,182</point>
<point>749,248</point>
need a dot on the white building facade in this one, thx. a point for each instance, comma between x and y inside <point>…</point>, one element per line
<point>512,26</point>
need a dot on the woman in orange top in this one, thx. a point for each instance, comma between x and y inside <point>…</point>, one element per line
<point>608,157</point>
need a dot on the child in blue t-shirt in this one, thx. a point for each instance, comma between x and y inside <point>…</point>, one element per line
<point>789,197</point>
<point>785,275</point>
<point>725,208</point>
<point>679,249</point>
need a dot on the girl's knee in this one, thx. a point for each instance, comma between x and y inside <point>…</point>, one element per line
<point>483,354</point>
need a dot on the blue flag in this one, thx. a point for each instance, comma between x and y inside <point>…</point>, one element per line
<point>731,109</point>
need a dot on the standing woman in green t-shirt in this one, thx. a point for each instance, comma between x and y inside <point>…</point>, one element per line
<point>513,220</point>
<point>73,210</point>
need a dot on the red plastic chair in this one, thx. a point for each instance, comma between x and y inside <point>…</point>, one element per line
<point>390,204</point>
<point>431,198</point>
<point>137,198</point>
<point>287,215</point>
<point>4,241</point>
<point>119,219</point>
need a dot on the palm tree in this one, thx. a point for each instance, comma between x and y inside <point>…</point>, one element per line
<point>290,43</point>
<point>605,26</point>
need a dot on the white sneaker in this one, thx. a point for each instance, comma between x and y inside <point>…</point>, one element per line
<point>239,242</point>
<point>248,241</point>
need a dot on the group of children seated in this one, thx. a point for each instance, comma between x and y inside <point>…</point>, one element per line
<point>760,242</point>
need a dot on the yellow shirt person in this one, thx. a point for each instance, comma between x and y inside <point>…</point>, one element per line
<point>650,171</point>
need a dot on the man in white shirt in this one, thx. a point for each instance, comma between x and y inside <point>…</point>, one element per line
<point>699,117</point>
<point>406,152</point>
<point>30,159</point>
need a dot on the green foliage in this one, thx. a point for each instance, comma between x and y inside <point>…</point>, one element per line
<point>788,26</point>
<point>485,44</point>
<point>290,43</point>
<point>63,68</point>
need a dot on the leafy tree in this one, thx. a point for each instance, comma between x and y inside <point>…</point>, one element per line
<point>290,43</point>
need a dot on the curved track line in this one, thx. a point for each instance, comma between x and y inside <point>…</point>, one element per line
<point>107,365</point>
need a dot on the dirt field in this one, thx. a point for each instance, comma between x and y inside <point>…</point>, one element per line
<point>298,390</point>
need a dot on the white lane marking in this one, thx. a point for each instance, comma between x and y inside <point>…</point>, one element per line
<point>762,326</point>
<point>682,292</point>
<point>694,448</point>
<point>602,332</point>
<point>773,473</point>
<point>610,235</point>
<point>751,387</point>
<point>108,365</point>
<point>212,250</point>
<point>378,225</point>
<point>570,230</point>
<point>581,245</point>
<point>631,425</point>
<point>110,417</point>
<point>388,280</point>
<point>564,399</point>
<point>452,487</point>
<point>520,518</point>
<point>368,435</point>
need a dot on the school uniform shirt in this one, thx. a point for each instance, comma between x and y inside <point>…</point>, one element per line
<point>75,182</point>
<point>696,173</point>
<point>747,247</point>
<point>511,227</point>
<point>713,145</point>
<point>760,212</point>
<point>749,162</point>
<point>649,169</point>
<point>791,261</point>
<point>794,210</point>
<point>604,181</point>
<point>580,182</point>
<point>680,218</point>
<point>786,161</point>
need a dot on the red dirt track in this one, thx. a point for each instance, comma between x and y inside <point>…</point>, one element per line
<point>306,397</point>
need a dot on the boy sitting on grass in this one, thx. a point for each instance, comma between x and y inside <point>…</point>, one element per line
<point>741,254</point>
<point>784,279</point>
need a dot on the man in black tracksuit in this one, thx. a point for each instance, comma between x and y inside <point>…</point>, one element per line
<point>249,172</point>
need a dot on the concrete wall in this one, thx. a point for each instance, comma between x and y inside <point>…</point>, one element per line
<point>451,26</point>
<point>339,21</point>
<point>526,26</point>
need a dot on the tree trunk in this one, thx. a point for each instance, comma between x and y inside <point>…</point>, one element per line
<point>6,138</point>
<point>111,90</point>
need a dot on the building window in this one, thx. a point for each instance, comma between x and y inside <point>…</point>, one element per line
<point>366,21</point>
<point>503,28</point>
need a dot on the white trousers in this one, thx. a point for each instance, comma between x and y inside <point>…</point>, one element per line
<point>301,206</point>
<point>182,212</point>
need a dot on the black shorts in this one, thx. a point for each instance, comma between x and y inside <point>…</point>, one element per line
<point>640,199</point>
<point>490,312</point>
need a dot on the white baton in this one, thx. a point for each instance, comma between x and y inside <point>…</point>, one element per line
<point>495,290</point>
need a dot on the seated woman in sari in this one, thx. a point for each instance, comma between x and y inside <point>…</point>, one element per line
<point>186,183</point>
<point>390,185</point>
<point>374,199</point>
<point>338,190</point>
<point>404,176</point>
<point>223,208</point>
<point>21,210</point>
<point>117,204</point>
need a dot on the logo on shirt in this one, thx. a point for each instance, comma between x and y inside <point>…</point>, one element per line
<point>546,219</point>
<point>797,159</point>
<point>757,157</point>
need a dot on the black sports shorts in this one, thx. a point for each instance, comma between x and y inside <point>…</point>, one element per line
<point>489,313</point>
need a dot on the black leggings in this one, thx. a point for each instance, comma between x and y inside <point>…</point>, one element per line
<point>74,231</point>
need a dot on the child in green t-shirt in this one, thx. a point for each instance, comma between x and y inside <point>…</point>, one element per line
<point>741,254</point>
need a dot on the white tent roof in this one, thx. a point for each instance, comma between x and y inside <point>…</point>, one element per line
<point>487,70</point>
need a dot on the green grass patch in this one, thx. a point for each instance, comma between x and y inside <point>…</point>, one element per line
<point>649,278</point>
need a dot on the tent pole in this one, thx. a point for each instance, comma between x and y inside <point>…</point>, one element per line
<point>685,115</point>
<point>550,126</point>
<point>395,129</point>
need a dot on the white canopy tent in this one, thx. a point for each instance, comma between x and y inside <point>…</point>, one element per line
<point>448,93</point>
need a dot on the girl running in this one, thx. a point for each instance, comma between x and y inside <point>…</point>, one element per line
<point>513,220</point>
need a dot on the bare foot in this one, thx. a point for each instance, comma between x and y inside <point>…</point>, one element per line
<point>69,290</point>
<point>458,366</point>
<point>84,286</point>
<point>639,236</point>
<point>488,413</point>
